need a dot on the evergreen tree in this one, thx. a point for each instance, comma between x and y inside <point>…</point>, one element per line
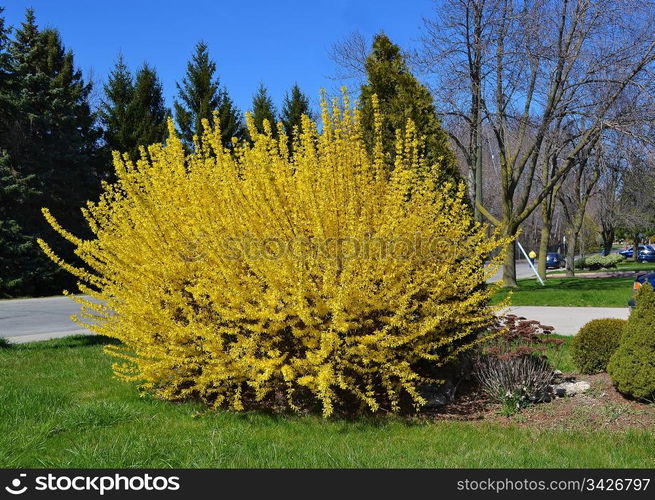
<point>147,110</point>
<point>17,269</point>
<point>263,109</point>
<point>133,111</point>
<point>21,260</point>
<point>50,150</point>
<point>119,92</point>
<point>6,98</point>
<point>199,95</point>
<point>59,138</point>
<point>402,97</point>
<point>294,106</point>
<point>230,119</point>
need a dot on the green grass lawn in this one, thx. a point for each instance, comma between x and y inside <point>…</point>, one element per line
<point>582,292</point>
<point>627,265</point>
<point>60,407</point>
<point>634,266</point>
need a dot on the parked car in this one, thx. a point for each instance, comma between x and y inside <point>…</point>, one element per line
<point>627,253</point>
<point>647,254</point>
<point>554,260</point>
<point>639,282</point>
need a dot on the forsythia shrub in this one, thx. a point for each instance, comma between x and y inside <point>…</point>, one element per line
<point>595,343</point>
<point>248,276</point>
<point>632,366</point>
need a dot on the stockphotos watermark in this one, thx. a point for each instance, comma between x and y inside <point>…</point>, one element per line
<point>249,247</point>
<point>99,484</point>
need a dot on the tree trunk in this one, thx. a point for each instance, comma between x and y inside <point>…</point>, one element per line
<point>546,224</point>
<point>608,240</point>
<point>543,249</point>
<point>478,177</point>
<point>635,248</point>
<point>471,191</point>
<point>571,242</point>
<point>509,266</point>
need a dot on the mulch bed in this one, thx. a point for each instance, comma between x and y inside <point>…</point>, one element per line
<point>601,407</point>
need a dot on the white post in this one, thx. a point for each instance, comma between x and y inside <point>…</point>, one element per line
<point>530,262</point>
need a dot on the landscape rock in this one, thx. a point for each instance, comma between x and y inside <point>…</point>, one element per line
<point>437,395</point>
<point>571,388</point>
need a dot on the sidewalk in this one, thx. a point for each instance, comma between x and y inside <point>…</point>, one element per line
<point>568,320</point>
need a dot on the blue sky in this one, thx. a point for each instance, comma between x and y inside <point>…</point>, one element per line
<point>275,42</point>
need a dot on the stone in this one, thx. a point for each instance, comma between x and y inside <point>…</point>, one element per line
<point>571,388</point>
<point>437,395</point>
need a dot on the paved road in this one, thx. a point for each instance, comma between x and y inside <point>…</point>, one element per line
<point>28,320</point>
<point>523,270</point>
<point>568,320</point>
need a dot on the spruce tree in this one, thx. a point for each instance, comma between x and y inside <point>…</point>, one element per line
<point>17,249</point>
<point>294,106</point>
<point>263,109</point>
<point>401,97</point>
<point>113,112</point>
<point>230,119</point>
<point>133,112</point>
<point>147,110</point>
<point>51,149</point>
<point>59,137</point>
<point>21,261</point>
<point>199,95</point>
<point>6,87</point>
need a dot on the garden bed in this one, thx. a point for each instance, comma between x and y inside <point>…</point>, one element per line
<point>600,408</point>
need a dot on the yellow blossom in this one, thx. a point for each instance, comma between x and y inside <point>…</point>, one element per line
<point>238,274</point>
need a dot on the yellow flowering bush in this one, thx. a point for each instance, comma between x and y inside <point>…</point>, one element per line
<point>251,276</point>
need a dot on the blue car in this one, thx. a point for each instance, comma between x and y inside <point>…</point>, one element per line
<point>639,282</point>
<point>554,260</point>
<point>627,253</point>
<point>647,254</point>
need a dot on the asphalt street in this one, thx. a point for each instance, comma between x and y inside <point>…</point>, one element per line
<point>28,320</point>
<point>523,270</point>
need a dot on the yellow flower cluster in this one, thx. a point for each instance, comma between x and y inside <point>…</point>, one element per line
<point>249,275</point>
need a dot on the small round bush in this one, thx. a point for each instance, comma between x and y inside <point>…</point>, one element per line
<point>632,367</point>
<point>595,343</point>
<point>596,262</point>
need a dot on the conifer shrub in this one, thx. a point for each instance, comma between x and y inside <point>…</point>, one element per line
<point>251,277</point>
<point>632,366</point>
<point>595,343</point>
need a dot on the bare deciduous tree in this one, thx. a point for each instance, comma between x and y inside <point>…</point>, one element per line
<point>544,61</point>
<point>349,56</point>
<point>575,195</point>
<point>456,50</point>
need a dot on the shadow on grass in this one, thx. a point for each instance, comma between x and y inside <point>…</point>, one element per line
<point>574,284</point>
<point>70,342</point>
<point>344,422</point>
<point>592,284</point>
